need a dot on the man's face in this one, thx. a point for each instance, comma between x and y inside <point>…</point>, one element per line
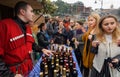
<point>67,18</point>
<point>29,13</point>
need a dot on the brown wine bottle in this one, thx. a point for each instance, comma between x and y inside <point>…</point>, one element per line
<point>52,67</point>
<point>41,74</point>
<point>55,73</point>
<point>46,71</point>
<point>61,70</point>
<point>64,72</point>
<point>67,70</point>
<point>71,63</point>
<point>74,71</point>
<point>58,70</point>
<point>57,61</point>
<point>42,64</point>
<point>61,62</point>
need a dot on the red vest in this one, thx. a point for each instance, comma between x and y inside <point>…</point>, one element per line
<point>15,47</point>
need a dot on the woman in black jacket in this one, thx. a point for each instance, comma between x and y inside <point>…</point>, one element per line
<point>42,36</point>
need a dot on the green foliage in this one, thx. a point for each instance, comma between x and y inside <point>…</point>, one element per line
<point>48,7</point>
<point>66,8</point>
<point>63,8</point>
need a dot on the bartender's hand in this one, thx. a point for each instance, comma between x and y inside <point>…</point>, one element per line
<point>47,52</point>
<point>18,75</point>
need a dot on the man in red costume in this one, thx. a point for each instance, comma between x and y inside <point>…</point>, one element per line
<point>16,43</point>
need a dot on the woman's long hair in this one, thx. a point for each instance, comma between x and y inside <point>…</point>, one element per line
<point>96,16</point>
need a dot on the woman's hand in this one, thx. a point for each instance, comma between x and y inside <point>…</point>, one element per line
<point>90,37</point>
<point>95,43</point>
<point>113,61</point>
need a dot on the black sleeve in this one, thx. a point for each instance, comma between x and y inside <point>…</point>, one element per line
<point>36,47</point>
<point>41,39</point>
<point>94,50</point>
<point>4,70</point>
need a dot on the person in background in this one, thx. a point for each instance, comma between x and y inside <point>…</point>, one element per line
<point>50,29</point>
<point>16,43</point>
<point>72,23</point>
<point>43,37</point>
<point>56,22</point>
<point>73,26</point>
<point>79,48</point>
<point>66,22</point>
<point>69,34</point>
<point>108,42</point>
<point>85,25</point>
<point>59,36</point>
<point>87,56</point>
<point>80,29</point>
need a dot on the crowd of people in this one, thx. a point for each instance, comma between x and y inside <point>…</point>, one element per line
<point>96,42</point>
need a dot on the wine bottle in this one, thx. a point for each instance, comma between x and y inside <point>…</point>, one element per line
<point>67,70</point>
<point>64,72</point>
<point>62,49</point>
<point>52,67</point>
<point>58,70</point>
<point>74,72</point>
<point>55,73</point>
<point>57,51</point>
<point>49,62</point>
<point>70,53</point>
<point>57,61</point>
<point>65,62</point>
<point>41,74</point>
<point>61,62</point>
<point>71,63</point>
<point>42,64</point>
<point>46,71</point>
<point>56,56</point>
<point>52,47</point>
<point>61,69</point>
<point>66,51</point>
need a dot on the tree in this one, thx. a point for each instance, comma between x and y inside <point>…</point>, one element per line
<point>63,7</point>
<point>47,7</point>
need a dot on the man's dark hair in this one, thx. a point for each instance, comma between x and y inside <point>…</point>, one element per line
<point>20,5</point>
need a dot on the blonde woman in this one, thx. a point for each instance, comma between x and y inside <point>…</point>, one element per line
<point>107,61</point>
<point>87,56</point>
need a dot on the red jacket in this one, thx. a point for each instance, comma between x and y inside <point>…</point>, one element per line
<point>15,47</point>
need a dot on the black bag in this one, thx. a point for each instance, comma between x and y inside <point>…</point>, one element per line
<point>115,65</point>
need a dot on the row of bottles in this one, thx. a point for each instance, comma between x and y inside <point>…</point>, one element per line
<point>61,64</point>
